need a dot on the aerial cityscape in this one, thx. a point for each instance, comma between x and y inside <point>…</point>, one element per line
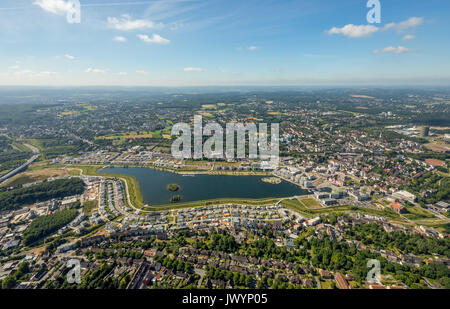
<point>173,165</point>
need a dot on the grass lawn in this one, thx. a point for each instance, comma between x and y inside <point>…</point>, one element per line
<point>298,207</point>
<point>250,202</point>
<point>326,285</point>
<point>416,212</point>
<point>20,147</point>
<point>209,106</point>
<point>309,212</point>
<point>432,222</point>
<point>88,207</point>
<point>240,173</point>
<point>17,180</point>
<point>310,202</point>
<point>129,135</point>
<point>34,142</point>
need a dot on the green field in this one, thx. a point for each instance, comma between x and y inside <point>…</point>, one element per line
<point>415,213</point>
<point>310,202</point>
<point>21,180</point>
<point>250,202</point>
<point>88,207</point>
<point>299,207</point>
<point>326,284</point>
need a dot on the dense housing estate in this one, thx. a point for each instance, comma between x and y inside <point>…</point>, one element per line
<point>369,192</point>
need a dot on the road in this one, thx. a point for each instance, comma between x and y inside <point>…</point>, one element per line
<point>23,166</point>
<point>439,215</point>
<point>33,149</point>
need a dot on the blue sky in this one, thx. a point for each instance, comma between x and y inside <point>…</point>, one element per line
<point>224,42</point>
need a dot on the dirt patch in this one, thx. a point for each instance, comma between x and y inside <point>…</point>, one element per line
<point>437,147</point>
<point>39,175</point>
<point>38,251</point>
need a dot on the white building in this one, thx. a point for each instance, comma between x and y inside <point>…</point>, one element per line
<point>404,195</point>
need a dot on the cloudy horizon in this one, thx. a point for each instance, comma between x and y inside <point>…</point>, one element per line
<point>199,42</point>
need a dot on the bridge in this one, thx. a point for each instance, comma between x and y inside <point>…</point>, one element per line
<point>24,166</point>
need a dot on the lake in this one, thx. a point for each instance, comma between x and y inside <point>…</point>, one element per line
<point>153,184</point>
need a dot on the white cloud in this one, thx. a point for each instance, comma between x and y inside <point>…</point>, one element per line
<point>194,70</point>
<point>23,72</point>
<point>354,31</point>
<point>32,74</point>
<point>123,73</point>
<point>45,74</point>
<point>394,50</point>
<point>141,72</point>
<point>408,37</point>
<point>70,57</point>
<point>14,67</point>
<point>156,38</point>
<point>411,22</point>
<point>125,23</point>
<point>58,7</point>
<point>96,71</point>
<point>359,31</point>
<point>252,48</point>
<point>120,39</point>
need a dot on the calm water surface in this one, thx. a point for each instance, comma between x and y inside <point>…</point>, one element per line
<point>153,184</point>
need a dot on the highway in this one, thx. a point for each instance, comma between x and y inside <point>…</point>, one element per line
<point>24,166</point>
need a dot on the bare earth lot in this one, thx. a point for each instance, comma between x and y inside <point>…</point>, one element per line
<point>33,176</point>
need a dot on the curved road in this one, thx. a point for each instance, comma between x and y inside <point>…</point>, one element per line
<point>21,168</point>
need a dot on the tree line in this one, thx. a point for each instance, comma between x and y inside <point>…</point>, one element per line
<point>41,192</point>
<point>46,225</point>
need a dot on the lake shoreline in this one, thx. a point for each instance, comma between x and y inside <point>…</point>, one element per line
<point>202,187</point>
